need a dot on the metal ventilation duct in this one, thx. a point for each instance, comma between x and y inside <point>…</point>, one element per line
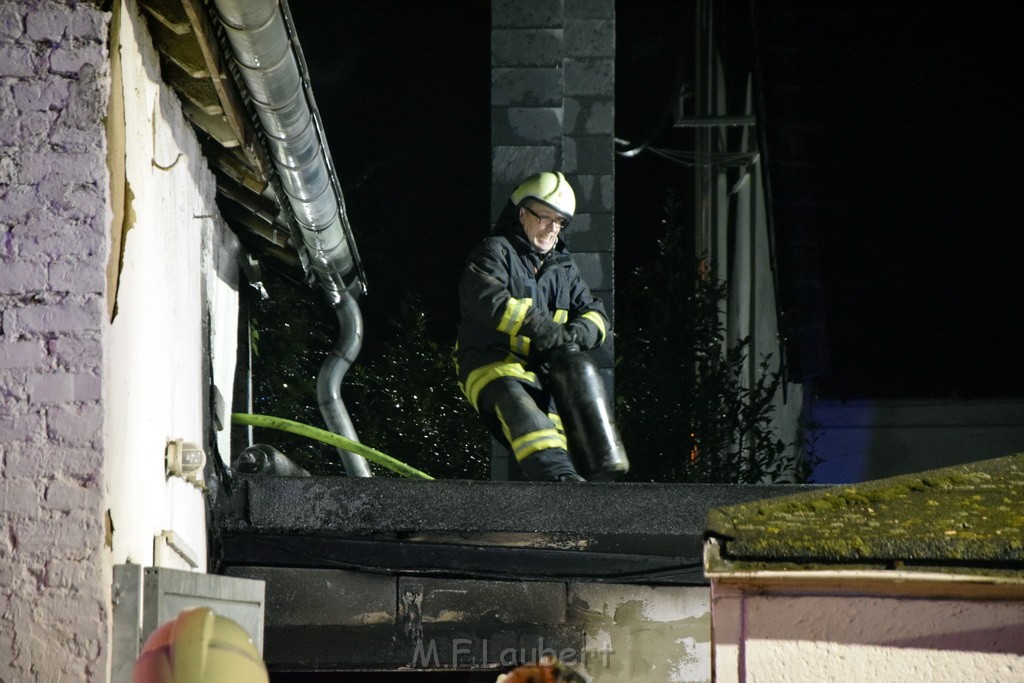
<point>271,65</point>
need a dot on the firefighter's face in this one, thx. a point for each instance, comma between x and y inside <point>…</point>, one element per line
<point>541,225</point>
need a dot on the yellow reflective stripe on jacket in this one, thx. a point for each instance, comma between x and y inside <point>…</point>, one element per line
<point>528,444</point>
<point>597,319</point>
<point>520,345</point>
<point>561,316</point>
<point>485,374</point>
<point>514,315</point>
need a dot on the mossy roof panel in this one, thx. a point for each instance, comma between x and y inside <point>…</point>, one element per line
<point>967,515</point>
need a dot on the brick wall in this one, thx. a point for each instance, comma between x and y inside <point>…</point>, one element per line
<point>552,107</point>
<point>54,569</point>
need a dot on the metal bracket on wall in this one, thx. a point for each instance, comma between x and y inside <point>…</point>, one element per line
<point>169,539</point>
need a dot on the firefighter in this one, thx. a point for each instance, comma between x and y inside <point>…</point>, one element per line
<point>522,299</point>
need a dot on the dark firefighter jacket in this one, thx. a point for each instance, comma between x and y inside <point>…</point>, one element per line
<point>508,294</point>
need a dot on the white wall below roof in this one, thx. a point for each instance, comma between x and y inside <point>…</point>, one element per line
<point>862,440</point>
<point>157,374</point>
<point>802,637</point>
<point>221,253</point>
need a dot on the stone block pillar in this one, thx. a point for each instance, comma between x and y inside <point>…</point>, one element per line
<point>552,108</point>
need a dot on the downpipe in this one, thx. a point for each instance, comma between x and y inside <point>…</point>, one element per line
<point>332,374</point>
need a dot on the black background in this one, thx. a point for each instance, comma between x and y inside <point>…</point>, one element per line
<point>916,167</point>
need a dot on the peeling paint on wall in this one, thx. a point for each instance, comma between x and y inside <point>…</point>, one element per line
<point>644,633</point>
<point>120,200</point>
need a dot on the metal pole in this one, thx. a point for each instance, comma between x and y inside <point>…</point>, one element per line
<point>703,100</point>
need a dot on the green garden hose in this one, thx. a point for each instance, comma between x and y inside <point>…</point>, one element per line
<point>331,438</point>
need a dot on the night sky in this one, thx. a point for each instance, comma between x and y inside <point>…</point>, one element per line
<point>916,167</point>
<point>913,125</point>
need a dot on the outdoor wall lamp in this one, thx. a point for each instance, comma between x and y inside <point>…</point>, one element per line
<point>186,460</point>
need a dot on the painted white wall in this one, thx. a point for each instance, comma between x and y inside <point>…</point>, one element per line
<point>174,312</point>
<point>863,637</point>
<point>221,252</point>
<point>862,440</point>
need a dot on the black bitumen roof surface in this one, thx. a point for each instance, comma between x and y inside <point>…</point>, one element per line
<point>961,517</point>
<point>650,533</point>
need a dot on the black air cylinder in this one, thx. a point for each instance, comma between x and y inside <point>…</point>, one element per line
<point>579,393</point>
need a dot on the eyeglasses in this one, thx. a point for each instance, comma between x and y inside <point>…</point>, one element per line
<point>557,221</point>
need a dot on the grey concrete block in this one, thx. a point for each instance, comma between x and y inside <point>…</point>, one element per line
<point>591,232</point>
<point>589,115</point>
<point>604,355</point>
<point>594,193</point>
<point>590,77</point>
<point>524,13</point>
<point>607,298</point>
<point>526,125</point>
<point>500,193</point>
<point>471,602</point>
<point>529,87</point>
<point>590,38</point>
<point>324,597</point>
<point>589,9</point>
<point>527,47</point>
<point>513,163</point>
<point>570,162</point>
<point>596,269</point>
<point>589,155</point>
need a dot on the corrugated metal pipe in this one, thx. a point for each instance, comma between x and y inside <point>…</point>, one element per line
<point>273,70</point>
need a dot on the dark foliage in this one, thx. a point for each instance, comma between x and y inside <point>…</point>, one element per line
<point>291,333</point>
<point>404,400</point>
<point>407,403</point>
<point>686,411</point>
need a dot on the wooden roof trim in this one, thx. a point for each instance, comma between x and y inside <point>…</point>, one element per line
<point>233,110</point>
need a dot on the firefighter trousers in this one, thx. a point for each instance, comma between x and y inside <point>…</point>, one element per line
<point>524,419</point>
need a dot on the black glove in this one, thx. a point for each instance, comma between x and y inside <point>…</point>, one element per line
<point>586,333</point>
<point>553,338</point>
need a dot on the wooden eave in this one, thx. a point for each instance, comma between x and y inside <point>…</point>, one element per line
<point>193,64</point>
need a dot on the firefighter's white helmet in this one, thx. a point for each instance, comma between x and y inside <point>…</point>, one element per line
<point>550,188</point>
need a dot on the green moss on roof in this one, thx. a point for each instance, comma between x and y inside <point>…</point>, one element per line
<point>964,515</point>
